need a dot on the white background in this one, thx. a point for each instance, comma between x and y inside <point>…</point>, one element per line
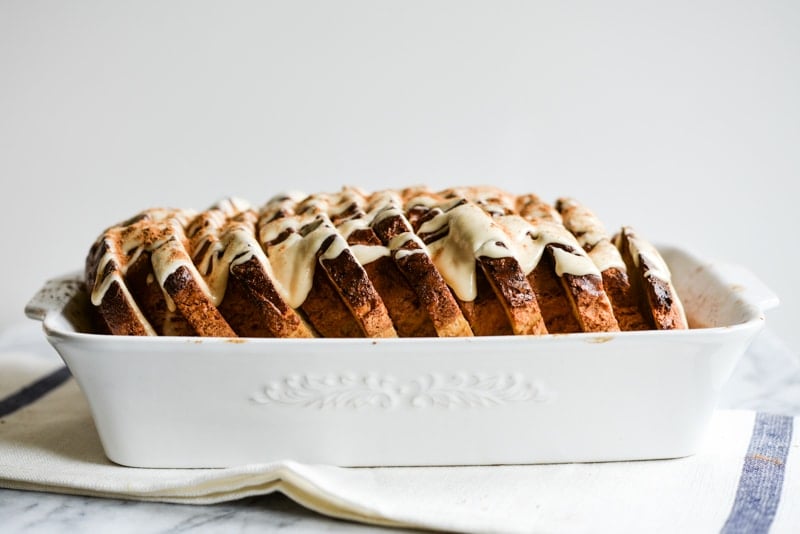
<point>679,118</point>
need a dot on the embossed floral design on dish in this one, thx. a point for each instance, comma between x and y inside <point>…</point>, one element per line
<point>349,390</point>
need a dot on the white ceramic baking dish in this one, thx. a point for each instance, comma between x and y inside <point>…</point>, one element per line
<point>214,402</point>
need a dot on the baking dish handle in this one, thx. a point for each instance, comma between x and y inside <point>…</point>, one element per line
<point>53,296</point>
<point>747,285</point>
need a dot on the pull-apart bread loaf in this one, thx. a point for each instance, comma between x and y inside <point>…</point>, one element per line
<point>395,263</point>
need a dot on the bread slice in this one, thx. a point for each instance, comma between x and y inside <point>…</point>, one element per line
<point>149,296</point>
<point>118,310</point>
<point>432,303</point>
<point>353,213</point>
<point>318,270</point>
<point>155,245</point>
<point>582,304</point>
<point>593,238</point>
<point>235,268</point>
<point>475,257</point>
<point>651,281</point>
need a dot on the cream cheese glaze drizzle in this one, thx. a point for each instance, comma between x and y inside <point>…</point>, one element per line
<point>485,229</point>
<point>354,215</point>
<point>643,249</point>
<point>105,279</point>
<point>470,234</point>
<point>398,245</point>
<point>223,237</point>
<point>168,256</point>
<point>293,244</point>
<point>366,254</point>
<point>294,259</point>
<point>591,235</point>
<point>531,240</point>
<point>157,231</point>
<point>657,267</point>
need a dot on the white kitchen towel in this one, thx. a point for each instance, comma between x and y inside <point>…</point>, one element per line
<point>745,478</point>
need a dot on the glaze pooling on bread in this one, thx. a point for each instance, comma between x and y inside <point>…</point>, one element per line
<point>475,256</point>
<point>456,236</point>
<point>303,244</point>
<point>294,258</point>
<point>532,229</point>
<point>223,238</point>
<point>408,262</point>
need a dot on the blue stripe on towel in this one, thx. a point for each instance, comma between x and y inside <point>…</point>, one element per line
<point>32,393</point>
<point>761,481</point>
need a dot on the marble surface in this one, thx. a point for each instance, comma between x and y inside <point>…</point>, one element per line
<point>46,513</point>
<point>767,378</point>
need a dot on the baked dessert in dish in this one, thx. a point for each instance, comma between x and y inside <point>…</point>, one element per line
<point>409,262</point>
